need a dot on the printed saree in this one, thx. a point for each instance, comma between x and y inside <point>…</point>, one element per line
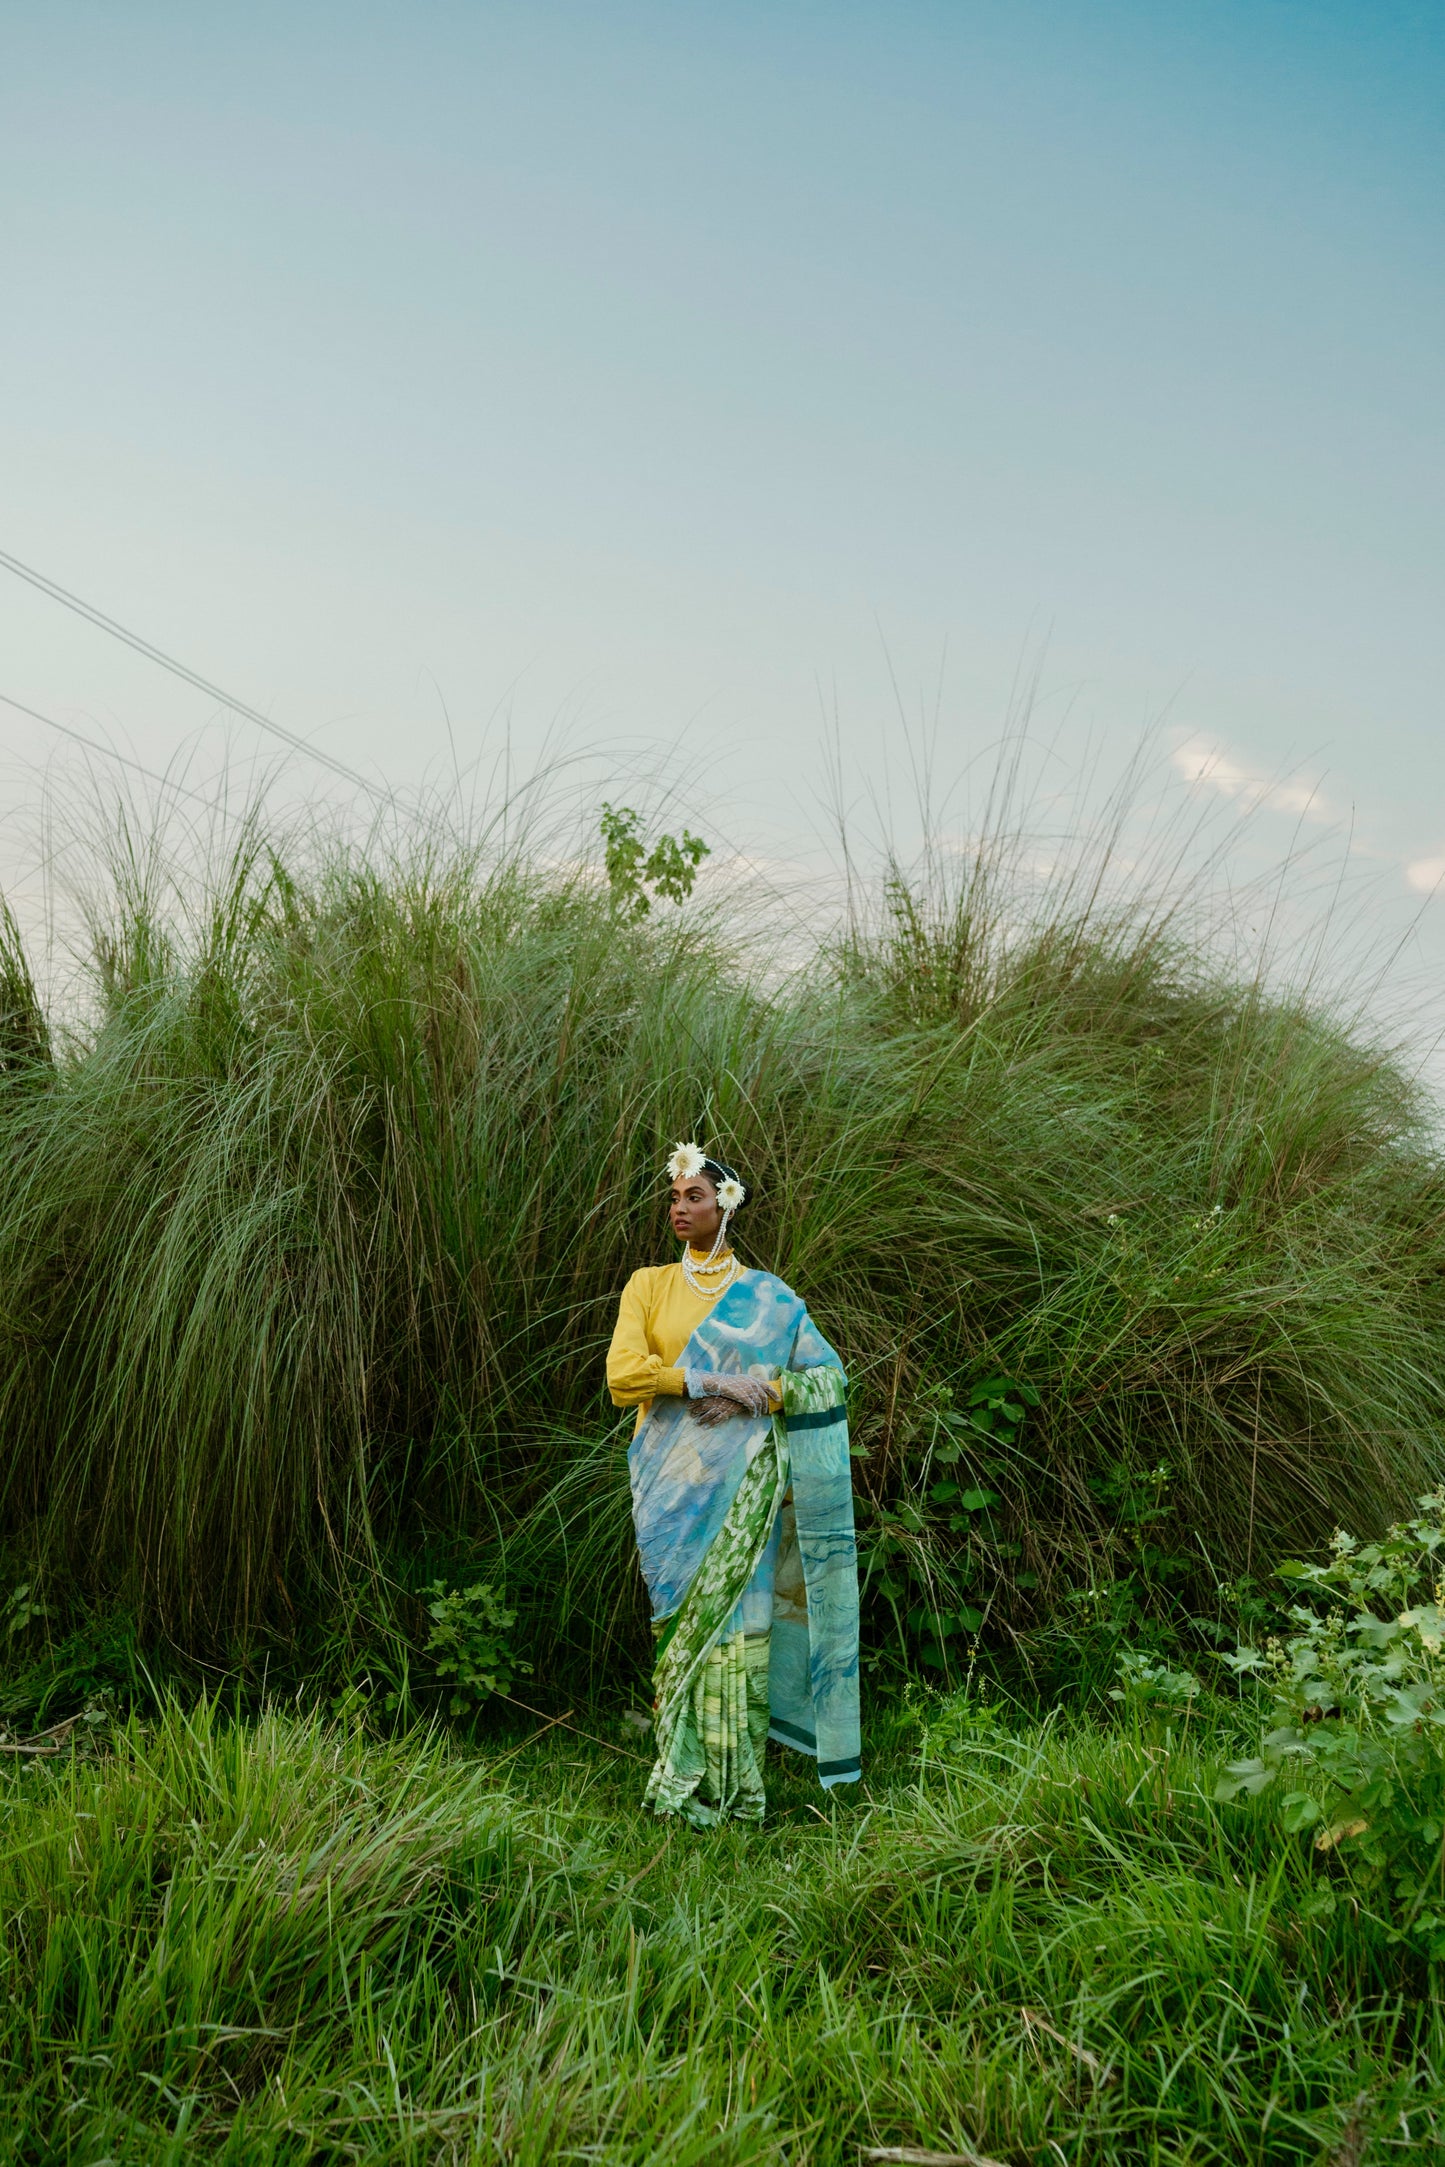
<point>745,1532</point>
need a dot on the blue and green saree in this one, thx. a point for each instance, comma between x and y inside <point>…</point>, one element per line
<point>745,1532</point>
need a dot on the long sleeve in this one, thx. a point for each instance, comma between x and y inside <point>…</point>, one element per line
<point>635,1374</point>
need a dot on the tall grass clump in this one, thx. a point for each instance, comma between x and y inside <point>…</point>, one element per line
<point>310,1241</point>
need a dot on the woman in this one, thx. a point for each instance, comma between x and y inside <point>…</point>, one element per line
<point>743,1502</point>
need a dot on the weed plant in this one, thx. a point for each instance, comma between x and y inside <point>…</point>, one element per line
<point>1357,1718</point>
<point>310,1246</point>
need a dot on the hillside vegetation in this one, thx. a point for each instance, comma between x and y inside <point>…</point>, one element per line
<point>310,1245</point>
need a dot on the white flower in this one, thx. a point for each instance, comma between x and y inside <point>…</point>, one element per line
<point>686,1161</point>
<point>730,1193</point>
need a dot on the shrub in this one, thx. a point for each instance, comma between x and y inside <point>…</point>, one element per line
<point>469,1643</point>
<point>1357,1696</point>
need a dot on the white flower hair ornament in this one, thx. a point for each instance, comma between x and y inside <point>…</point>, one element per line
<point>686,1162</point>
<point>730,1193</point>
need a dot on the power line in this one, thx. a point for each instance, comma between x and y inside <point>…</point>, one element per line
<point>95,744</point>
<point>98,618</point>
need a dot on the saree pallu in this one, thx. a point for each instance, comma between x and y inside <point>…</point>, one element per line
<point>745,1532</point>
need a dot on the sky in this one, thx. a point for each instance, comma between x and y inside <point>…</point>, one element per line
<point>741,388</point>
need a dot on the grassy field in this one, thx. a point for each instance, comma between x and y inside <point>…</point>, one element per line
<point>1025,1942</point>
<point>311,1230</point>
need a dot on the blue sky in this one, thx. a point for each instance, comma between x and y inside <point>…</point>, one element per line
<point>682,372</point>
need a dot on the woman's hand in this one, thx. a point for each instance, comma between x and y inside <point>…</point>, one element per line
<point>711,1412</point>
<point>717,1395</point>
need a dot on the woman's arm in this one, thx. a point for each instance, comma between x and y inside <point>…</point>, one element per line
<point>634,1372</point>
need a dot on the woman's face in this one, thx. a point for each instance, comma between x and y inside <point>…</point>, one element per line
<point>695,1211</point>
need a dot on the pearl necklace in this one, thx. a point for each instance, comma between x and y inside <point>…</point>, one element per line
<point>725,1270</point>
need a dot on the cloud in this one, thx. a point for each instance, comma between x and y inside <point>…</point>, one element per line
<point>1207,766</point>
<point>1425,874</point>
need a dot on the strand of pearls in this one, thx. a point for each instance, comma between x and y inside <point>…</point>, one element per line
<point>721,1270</point>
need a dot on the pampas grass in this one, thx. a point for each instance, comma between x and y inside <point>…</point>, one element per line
<point>310,1241</point>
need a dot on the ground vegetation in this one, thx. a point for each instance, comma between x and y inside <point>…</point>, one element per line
<point>323,1655</point>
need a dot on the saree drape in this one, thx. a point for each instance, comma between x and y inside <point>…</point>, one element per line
<point>745,1532</point>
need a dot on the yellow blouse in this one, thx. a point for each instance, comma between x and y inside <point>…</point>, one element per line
<point>656,1318</point>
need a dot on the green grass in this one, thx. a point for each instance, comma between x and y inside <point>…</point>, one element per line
<point>310,1241</point>
<point>1039,1941</point>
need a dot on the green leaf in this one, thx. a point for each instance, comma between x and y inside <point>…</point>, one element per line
<point>1429,1622</point>
<point>1243,1777</point>
<point>1299,1811</point>
<point>992,1388</point>
<point>977,1500</point>
<point>1320,1906</point>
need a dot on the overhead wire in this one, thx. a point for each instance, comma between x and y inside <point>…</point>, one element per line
<point>108,752</point>
<point>97,617</point>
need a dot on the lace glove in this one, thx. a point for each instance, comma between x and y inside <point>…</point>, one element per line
<point>719,1396</point>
